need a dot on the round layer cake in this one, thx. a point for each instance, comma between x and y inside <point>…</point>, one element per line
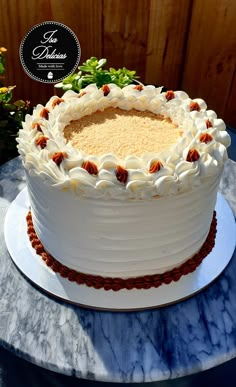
<point>123,182</point>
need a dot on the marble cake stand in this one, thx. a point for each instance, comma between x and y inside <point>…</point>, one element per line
<point>140,346</point>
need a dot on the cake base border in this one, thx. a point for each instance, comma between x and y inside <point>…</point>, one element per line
<point>118,283</point>
<point>32,266</point>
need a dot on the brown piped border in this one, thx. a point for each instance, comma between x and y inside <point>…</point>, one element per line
<point>107,283</point>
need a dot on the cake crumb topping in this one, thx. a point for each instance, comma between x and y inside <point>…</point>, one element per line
<point>122,132</point>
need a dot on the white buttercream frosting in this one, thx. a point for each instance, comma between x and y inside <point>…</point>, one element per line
<point>149,223</point>
<point>121,238</point>
<point>176,175</point>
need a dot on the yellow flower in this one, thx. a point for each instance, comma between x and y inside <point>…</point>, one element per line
<point>6,89</point>
<point>2,49</point>
<point>3,90</point>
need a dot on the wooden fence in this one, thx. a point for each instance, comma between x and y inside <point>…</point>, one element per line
<point>181,44</point>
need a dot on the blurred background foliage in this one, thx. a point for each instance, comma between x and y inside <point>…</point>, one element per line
<point>12,113</point>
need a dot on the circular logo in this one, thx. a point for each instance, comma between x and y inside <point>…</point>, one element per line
<point>50,52</point>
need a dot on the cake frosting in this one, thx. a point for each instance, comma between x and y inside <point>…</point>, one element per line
<point>123,214</point>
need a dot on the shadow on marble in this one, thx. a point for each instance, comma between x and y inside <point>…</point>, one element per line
<point>232,148</point>
<point>12,179</point>
<point>15,372</point>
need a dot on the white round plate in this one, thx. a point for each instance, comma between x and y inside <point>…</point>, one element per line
<point>33,267</point>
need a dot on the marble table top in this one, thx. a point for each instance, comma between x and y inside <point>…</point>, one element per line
<point>144,346</point>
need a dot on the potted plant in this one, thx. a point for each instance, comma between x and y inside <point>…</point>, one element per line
<point>92,71</point>
<point>11,115</point>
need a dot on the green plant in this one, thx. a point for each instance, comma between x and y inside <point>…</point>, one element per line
<point>11,116</point>
<point>92,71</point>
<point>2,60</point>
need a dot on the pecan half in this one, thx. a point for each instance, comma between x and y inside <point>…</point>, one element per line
<point>155,166</point>
<point>121,174</point>
<point>44,113</point>
<point>208,124</point>
<point>205,137</point>
<point>170,95</point>
<point>58,157</point>
<point>194,106</point>
<point>42,141</point>
<point>138,87</point>
<point>192,155</point>
<point>56,102</point>
<point>37,126</point>
<point>90,167</point>
<point>105,89</point>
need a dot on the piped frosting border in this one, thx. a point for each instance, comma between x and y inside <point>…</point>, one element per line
<point>199,153</point>
<point>116,284</point>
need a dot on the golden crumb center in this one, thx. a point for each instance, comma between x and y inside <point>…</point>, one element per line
<point>122,132</point>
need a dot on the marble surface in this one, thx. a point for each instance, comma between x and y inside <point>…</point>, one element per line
<point>153,345</point>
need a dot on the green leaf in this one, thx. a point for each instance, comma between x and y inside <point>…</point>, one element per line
<point>91,71</point>
<point>2,68</point>
<point>6,97</point>
<point>19,104</point>
<point>101,63</point>
<point>103,78</point>
<point>85,68</point>
<point>67,87</point>
<point>3,123</point>
<point>9,107</point>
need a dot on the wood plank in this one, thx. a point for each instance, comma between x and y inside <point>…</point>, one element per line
<point>125,34</point>
<point>211,53</point>
<point>168,24</point>
<point>84,17</point>
<point>18,17</point>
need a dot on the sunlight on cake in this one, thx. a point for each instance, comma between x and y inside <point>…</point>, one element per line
<point>122,132</point>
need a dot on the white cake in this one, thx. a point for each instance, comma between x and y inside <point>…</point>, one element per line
<point>100,203</point>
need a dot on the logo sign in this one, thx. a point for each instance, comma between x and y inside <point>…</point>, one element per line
<point>50,52</point>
